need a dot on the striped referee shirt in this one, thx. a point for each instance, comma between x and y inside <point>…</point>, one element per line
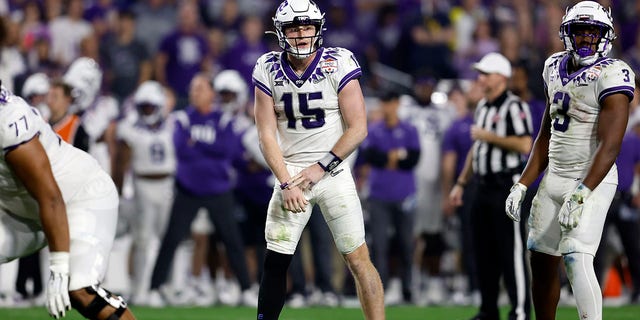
<point>506,116</point>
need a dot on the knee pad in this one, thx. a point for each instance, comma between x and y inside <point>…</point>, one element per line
<point>102,298</point>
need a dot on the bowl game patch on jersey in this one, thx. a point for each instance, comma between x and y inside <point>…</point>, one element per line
<point>329,65</point>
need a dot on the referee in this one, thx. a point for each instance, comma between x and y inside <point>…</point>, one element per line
<point>501,136</point>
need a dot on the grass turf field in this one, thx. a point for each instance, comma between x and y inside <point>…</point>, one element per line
<point>393,313</point>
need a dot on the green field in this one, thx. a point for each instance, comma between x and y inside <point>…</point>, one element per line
<point>393,313</point>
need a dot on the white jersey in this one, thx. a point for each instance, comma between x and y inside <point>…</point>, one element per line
<point>306,106</point>
<point>432,123</point>
<point>96,120</point>
<point>152,149</point>
<point>575,108</point>
<point>71,167</point>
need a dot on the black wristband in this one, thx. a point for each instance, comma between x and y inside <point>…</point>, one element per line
<point>329,162</point>
<point>284,185</point>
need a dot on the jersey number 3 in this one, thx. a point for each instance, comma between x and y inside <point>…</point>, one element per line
<point>561,121</point>
<point>311,118</point>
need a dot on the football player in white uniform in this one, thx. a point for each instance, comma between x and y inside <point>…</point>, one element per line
<point>310,116</point>
<point>146,146</point>
<point>51,192</point>
<point>431,120</point>
<point>98,112</point>
<point>588,104</point>
<point>35,90</point>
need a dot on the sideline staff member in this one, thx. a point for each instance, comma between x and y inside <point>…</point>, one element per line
<point>501,135</point>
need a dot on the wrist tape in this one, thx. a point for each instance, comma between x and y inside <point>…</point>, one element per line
<point>329,161</point>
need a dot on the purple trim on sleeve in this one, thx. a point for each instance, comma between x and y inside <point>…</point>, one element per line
<point>9,148</point>
<point>262,87</point>
<point>626,90</point>
<point>356,73</point>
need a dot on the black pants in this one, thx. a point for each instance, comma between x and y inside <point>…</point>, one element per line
<point>29,268</point>
<point>385,214</point>
<point>321,243</point>
<point>252,228</point>
<point>500,249</point>
<point>464,213</point>
<point>625,219</point>
<point>183,211</point>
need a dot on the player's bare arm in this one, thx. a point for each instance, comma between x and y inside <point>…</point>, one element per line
<point>455,196</point>
<point>266,123</point>
<point>612,124</point>
<point>539,157</point>
<point>351,104</point>
<point>448,169</point>
<point>158,65</point>
<point>353,112</point>
<point>31,165</point>
<point>121,164</point>
<point>267,128</point>
<point>109,137</point>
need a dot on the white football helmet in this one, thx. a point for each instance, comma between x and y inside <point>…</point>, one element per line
<point>587,13</point>
<point>85,78</point>
<point>36,84</point>
<point>298,13</point>
<point>231,81</point>
<point>150,102</point>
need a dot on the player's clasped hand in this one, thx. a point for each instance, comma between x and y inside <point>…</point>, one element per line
<point>293,200</point>
<point>306,178</point>
<point>514,200</point>
<point>58,301</point>
<point>571,210</point>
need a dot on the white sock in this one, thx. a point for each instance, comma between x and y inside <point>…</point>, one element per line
<point>585,285</point>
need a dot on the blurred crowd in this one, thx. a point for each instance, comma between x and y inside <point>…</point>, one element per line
<point>418,53</point>
<point>168,41</point>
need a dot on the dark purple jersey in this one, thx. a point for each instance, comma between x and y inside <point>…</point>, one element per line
<point>185,53</point>
<point>628,158</point>
<point>387,184</point>
<point>205,148</point>
<point>458,139</point>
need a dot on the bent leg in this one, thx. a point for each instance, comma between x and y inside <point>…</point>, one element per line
<point>368,284</point>
<point>545,284</point>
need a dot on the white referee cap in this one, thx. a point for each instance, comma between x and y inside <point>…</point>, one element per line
<point>494,62</point>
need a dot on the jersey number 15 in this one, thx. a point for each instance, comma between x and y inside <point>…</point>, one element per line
<point>311,117</point>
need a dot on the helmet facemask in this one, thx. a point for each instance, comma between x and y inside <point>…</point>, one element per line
<point>291,44</point>
<point>229,101</point>
<point>150,113</point>
<point>299,14</point>
<point>84,76</point>
<point>150,101</point>
<point>232,91</point>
